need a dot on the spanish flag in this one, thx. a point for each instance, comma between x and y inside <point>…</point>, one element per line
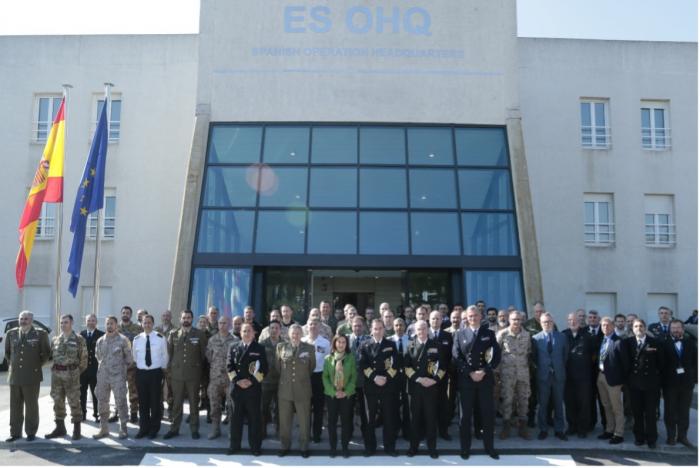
<point>47,186</point>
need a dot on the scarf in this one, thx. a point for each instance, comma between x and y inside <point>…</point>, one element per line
<point>339,379</point>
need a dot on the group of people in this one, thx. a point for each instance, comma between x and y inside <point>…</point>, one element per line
<point>405,374</point>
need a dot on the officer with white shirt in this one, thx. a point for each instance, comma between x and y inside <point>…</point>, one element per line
<point>150,351</point>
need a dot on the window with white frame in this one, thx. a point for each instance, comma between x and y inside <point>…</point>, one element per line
<point>109,218</point>
<point>115,117</point>
<point>659,227</point>
<point>599,225</point>
<point>595,127</point>
<point>656,131</point>
<point>46,225</point>
<point>46,109</point>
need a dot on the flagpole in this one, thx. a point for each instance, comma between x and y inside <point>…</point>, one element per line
<point>96,280</point>
<point>59,210</point>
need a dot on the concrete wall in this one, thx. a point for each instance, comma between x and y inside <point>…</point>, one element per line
<point>155,76</point>
<point>554,75</point>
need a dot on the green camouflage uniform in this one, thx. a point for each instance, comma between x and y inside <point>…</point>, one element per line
<point>69,361</point>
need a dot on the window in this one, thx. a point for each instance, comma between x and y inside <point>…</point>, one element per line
<point>226,231</point>
<point>232,144</point>
<point>599,227</point>
<point>333,188</point>
<point>46,227</point>
<point>656,132</point>
<point>433,188</point>
<point>383,188</point>
<point>656,300</point>
<point>489,234</point>
<point>283,187</point>
<point>334,145</point>
<point>500,289</point>
<point>46,110</point>
<point>383,233</point>
<point>659,229</point>
<point>435,234</point>
<point>231,186</point>
<point>382,145</point>
<point>595,130</point>
<point>604,302</point>
<point>332,232</point>
<point>485,189</point>
<point>226,288</point>
<point>115,118</point>
<point>481,147</point>
<point>288,145</point>
<point>109,218</point>
<point>281,232</point>
<point>430,145</point>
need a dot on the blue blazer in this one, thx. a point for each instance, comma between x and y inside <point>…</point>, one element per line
<point>553,364</point>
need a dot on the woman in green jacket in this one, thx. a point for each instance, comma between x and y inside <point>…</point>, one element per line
<point>339,377</point>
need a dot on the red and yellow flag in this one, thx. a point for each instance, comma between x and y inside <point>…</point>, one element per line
<point>47,186</point>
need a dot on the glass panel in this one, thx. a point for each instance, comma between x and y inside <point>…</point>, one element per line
<point>235,144</point>
<point>659,121</point>
<point>586,114</point>
<point>333,188</point>
<point>481,189</point>
<point>603,212</point>
<point>332,232</point>
<point>489,234</point>
<point>646,128</point>
<point>110,213</point>
<point>226,288</point>
<point>231,186</point>
<point>481,146</point>
<point>382,145</point>
<point>589,208</point>
<point>287,287</point>
<point>43,119</point>
<point>664,219</point>
<point>283,187</point>
<point>435,234</point>
<point>428,287</point>
<point>600,114</point>
<point>648,218</point>
<point>384,233</point>
<point>288,145</point>
<point>430,146</point>
<point>280,232</point>
<point>57,105</point>
<point>433,188</point>
<point>226,231</point>
<point>383,188</point>
<point>660,130</point>
<point>499,289</point>
<point>334,145</point>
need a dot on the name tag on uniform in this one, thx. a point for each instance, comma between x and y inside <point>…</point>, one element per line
<point>389,349</point>
<point>432,350</point>
<point>70,343</point>
<point>304,354</point>
<point>446,342</point>
<point>194,340</point>
<point>254,354</point>
<point>486,338</point>
<point>680,370</point>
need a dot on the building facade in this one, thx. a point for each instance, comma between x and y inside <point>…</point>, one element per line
<point>293,153</point>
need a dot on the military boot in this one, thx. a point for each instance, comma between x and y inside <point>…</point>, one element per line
<point>505,433</point>
<point>215,430</point>
<point>123,434</point>
<point>522,430</point>
<point>59,430</point>
<point>76,431</point>
<point>104,429</point>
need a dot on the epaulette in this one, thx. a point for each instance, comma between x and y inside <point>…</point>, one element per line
<point>158,334</point>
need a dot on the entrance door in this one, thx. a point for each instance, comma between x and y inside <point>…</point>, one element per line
<point>361,300</point>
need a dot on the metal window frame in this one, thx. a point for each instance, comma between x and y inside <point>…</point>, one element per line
<point>597,224</point>
<point>596,129</point>
<point>651,132</point>
<point>656,228</point>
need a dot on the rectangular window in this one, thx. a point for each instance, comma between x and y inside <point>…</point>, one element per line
<point>595,127</point>
<point>46,110</point>
<point>658,299</point>
<point>46,227</point>
<point>659,229</point>
<point>604,302</point>
<point>599,225</point>
<point>109,218</point>
<point>656,131</point>
<point>500,289</point>
<point>115,118</point>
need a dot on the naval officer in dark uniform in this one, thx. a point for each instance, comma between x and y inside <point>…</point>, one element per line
<point>88,379</point>
<point>379,362</point>
<point>476,354</point>
<point>247,366</point>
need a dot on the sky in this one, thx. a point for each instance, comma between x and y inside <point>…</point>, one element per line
<point>654,20</point>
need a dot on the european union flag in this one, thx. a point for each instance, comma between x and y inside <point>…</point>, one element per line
<point>90,198</point>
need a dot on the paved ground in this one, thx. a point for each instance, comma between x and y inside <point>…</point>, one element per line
<point>184,451</point>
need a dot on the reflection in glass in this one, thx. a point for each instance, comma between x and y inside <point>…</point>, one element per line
<point>382,145</point>
<point>430,145</point>
<point>333,188</point>
<point>225,288</point>
<point>485,189</point>
<point>481,146</point>
<point>288,145</point>
<point>283,187</point>
<point>383,233</point>
<point>231,186</point>
<point>334,145</point>
<point>433,188</point>
<point>428,287</point>
<point>235,144</point>
<point>287,287</point>
<point>226,231</point>
<point>489,234</point>
<point>332,232</point>
<point>383,188</point>
<point>434,234</point>
<point>280,232</point>
<point>499,289</point>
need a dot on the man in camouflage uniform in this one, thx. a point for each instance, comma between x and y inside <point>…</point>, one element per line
<point>515,374</point>
<point>26,349</point>
<point>70,355</point>
<point>533,327</point>
<point>130,330</point>
<point>217,355</point>
<point>166,325</point>
<point>113,352</point>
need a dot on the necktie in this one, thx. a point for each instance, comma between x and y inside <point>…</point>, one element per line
<point>604,349</point>
<point>89,335</point>
<point>148,351</point>
<point>549,343</point>
<point>679,348</point>
<point>664,328</point>
<point>639,345</point>
<point>401,346</point>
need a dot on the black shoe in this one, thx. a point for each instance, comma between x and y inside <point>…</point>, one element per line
<point>494,455</point>
<point>84,417</point>
<point>392,453</point>
<point>283,453</point>
<point>671,441</point>
<point>208,419</point>
<point>140,435</point>
<point>170,435</point>
<point>333,453</point>
<point>433,454</point>
<point>446,436</point>
<point>13,438</point>
<point>542,435</point>
<point>686,442</point>
<point>411,453</point>
<point>605,436</point>
<point>561,436</point>
<point>305,454</point>
<point>113,419</point>
<point>30,438</point>
<point>256,452</point>
<point>652,445</point>
<point>97,418</point>
<point>134,418</point>
<point>368,453</point>
<point>195,435</point>
<point>614,440</point>
<point>152,435</point>
<point>317,439</point>
<point>346,453</point>
<point>479,435</point>
<point>231,451</point>
<point>570,431</point>
<point>638,443</point>
<point>464,455</point>
<point>582,435</point>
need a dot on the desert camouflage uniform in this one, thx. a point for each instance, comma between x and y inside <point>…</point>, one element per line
<point>217,354</point>
<point>130,331</point>
<point>114,355</point>
<point>515,372</point>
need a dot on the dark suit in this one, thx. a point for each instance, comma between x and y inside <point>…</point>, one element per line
<point>380,359</point>
<point>579,375</point>
<point>645,364</point>
<point>678,386</point>
<point>596,403</point>
<point>251,364</point>
<point>355,342</point>
<point>89,376</point>
<point>444,340</point>
<point>657,330</point>
<point>403,409</point>
<point>550,352</point>
<point>470,353</point>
